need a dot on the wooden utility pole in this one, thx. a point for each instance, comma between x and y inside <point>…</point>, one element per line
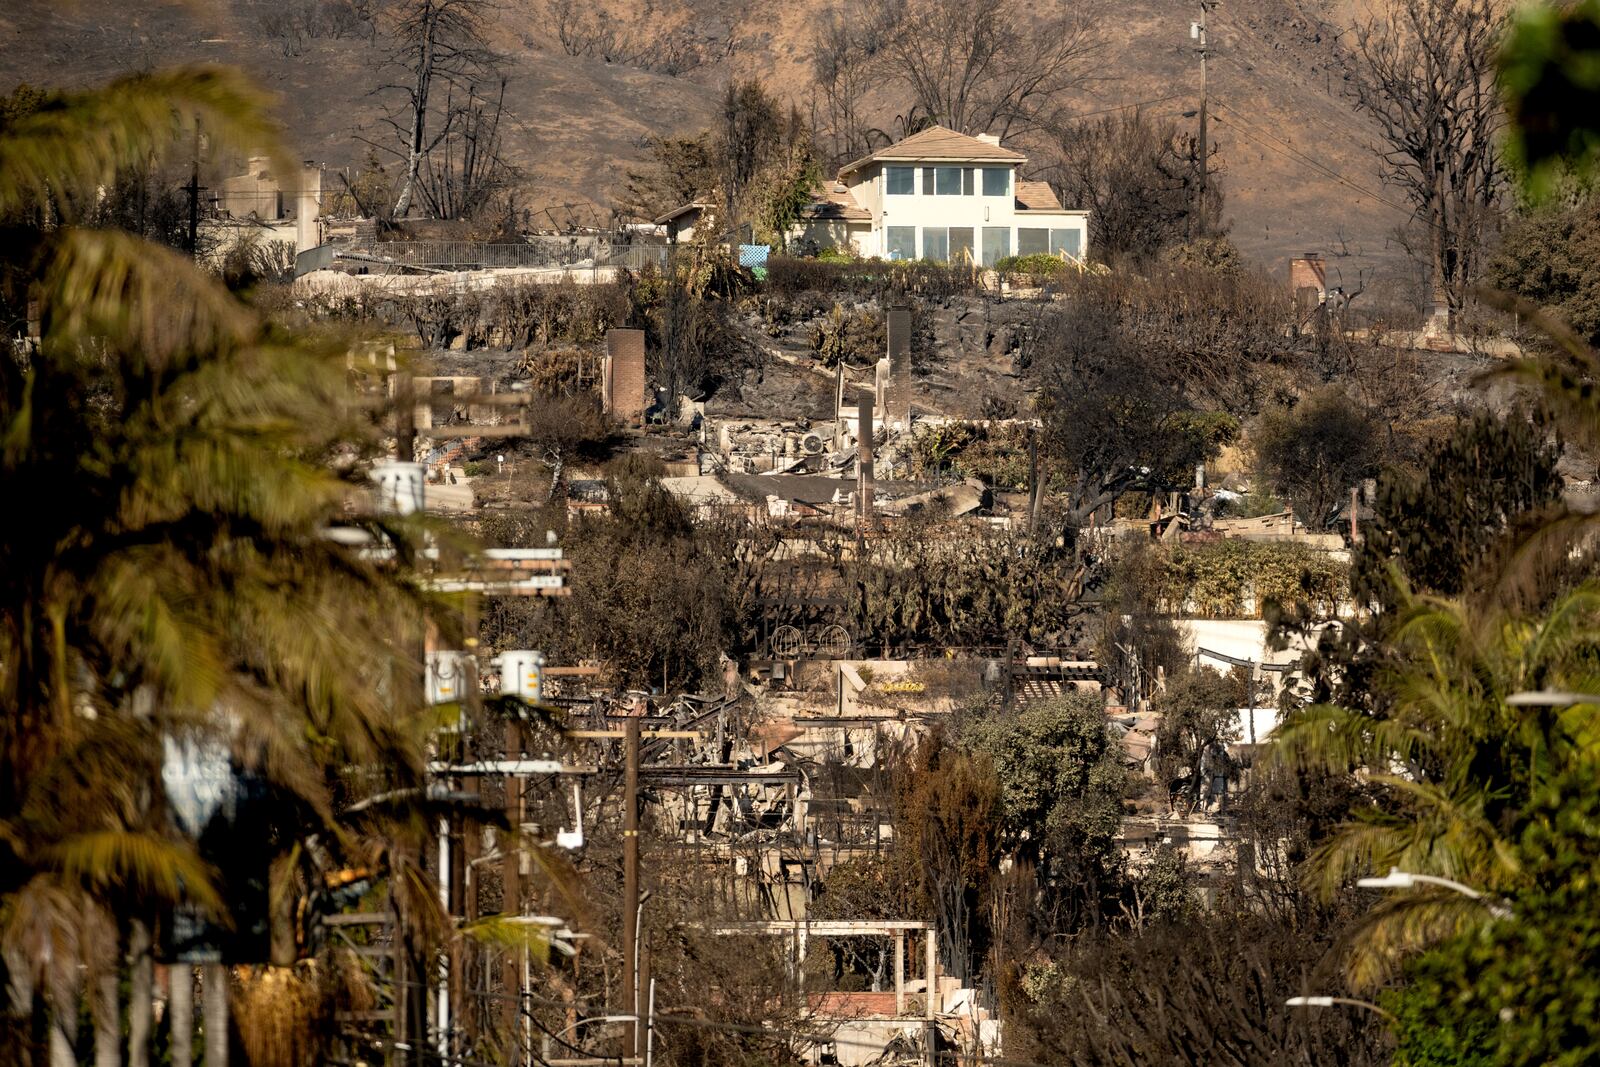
<point>193,189</point>
<point>1198,32</point>
<point>410,970</point>
<point>511,882</point>
<point>630,883</point>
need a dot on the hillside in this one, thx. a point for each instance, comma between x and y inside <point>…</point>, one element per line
<point>1296,160</point>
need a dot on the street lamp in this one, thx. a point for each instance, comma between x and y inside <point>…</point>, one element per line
<point>1328,1002</point>
<point>1551,698</point>
<point>1398,879</point>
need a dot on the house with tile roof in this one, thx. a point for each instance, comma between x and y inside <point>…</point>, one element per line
<point>936,195</point>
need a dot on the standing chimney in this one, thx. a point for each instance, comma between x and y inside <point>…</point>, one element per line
<point>308,206</point>
<point>864,469</point>
<point>897,404</point>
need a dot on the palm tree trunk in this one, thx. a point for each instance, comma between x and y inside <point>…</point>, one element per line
<point>140,995</point>
<point>107,1017</point>
<point>64,1028</point>
<point>180,1014</point>
<point>214,991</point>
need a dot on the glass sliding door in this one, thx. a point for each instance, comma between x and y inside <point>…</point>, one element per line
<point>900,242</point>
<point>1033,241</point>
<point>996,244</point>
<point>936,243</point>
<point>1069,241</point>
<point>961,249</point>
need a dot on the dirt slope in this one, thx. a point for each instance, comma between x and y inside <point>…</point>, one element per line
<point>1297,162</point>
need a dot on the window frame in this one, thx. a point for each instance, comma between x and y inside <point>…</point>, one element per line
<point>1005,180</point>
<point>890,172</point>
<point>890,241</point>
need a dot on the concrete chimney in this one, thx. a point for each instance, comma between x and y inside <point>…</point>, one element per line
<point>897,404</point>
<point>990,138</point>
<point>308,206</point>
<point>864,487</point>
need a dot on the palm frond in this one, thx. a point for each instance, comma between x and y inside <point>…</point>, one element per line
<point>506,931</point>
<point>80,141</point>
<point>151,303</point>
<point>135,863</point>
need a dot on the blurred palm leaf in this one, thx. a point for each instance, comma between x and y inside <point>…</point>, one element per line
<point>80,141</point>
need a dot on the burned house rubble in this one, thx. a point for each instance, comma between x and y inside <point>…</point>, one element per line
<point>788,768</point>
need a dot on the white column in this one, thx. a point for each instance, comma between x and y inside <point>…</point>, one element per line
<point>899,972</point>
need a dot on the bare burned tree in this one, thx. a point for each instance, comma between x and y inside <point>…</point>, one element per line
<point>465,170</point>
<point>987,65</point>
<point>593,33</point>
<point>440,46</point>
<point>1137,178</point>
<point>845,70</point>
<point>1426,73</point>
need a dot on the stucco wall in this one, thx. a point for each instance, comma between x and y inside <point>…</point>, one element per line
<point>977,211</point>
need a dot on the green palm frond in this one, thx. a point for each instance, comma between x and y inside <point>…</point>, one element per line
<point>506,931</point>
<point>1400,926</point>
<point>1337,739</point>
<point>135,863</point>
<point>80,141</point>
<point>152,303</point>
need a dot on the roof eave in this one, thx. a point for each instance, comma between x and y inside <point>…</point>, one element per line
<point>1016,158</point>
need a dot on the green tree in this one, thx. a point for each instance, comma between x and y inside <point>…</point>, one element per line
<point>1444,526</point>
<point>1523,991</point>
<point>1316,451</point>
<point>1551,256</point>
<point>1061,789</point>
<point>166,575</point>
<point>1199,719</point>
<point>1455,767</point>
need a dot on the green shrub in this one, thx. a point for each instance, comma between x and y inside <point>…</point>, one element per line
<point>871,278</point>
<point>1213,579</point>
<point>1039,263</point>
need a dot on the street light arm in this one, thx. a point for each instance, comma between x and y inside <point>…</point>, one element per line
<point>1328,1002</point>
<point>1448,883</point>
<point>1398,879</point>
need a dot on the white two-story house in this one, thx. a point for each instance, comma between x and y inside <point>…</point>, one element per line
<point>937,195</point>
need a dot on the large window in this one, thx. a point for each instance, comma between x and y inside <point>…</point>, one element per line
<point>996,244</point>
<point>936,243</point>
<point>902,243</point>
<point>947,181</point>
<point>900,181</point>
<point>1033,241</point>
<point>961,244</point>
<point>1069,241</point>
<point>996,181</point>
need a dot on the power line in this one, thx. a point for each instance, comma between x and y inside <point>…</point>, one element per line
<point>1294,153</point>
<point>1125,107</point>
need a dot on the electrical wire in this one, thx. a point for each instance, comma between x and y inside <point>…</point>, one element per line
<point>1257,135</point>
<point>1125,107</point>
<point>661,1017</point>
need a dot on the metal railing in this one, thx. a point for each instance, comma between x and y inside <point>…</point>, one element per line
<point>574,253</point>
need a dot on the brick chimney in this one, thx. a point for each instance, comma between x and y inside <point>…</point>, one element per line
<point>1308,279</point>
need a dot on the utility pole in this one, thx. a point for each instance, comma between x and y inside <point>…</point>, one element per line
<point>511,882</point>
<point>193,189</point>
<point>630,883</point>
<point>1197,32</point>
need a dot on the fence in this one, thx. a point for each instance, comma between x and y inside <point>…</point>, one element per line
<point>574,252</point>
